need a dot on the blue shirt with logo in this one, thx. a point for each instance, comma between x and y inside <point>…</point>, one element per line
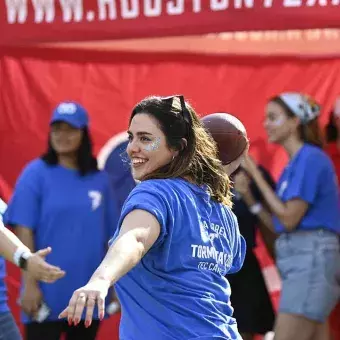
<point>75,215</point>
<point>178,290</point>
<point>3,291</point>
<point>310,176</point>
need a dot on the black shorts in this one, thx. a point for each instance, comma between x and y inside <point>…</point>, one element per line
<point>253,309</point>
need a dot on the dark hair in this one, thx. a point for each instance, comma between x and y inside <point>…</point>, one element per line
<point>85,160</point>
<point>331,130</point>
<point>198,159</point>
<point>309,132</point>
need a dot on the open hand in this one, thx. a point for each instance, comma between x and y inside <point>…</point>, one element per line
<point>40,270</point>
<point>88,296</point>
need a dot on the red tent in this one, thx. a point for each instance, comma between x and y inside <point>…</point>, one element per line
<point>108,54</point>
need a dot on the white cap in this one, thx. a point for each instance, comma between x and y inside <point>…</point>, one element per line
<point>301,105</point>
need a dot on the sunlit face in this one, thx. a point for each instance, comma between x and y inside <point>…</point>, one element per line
<point>65,139</point>
<point>277,124</point>
<point>147,148</point>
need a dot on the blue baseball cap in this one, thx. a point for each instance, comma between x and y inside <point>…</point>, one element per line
<point>71,113</point>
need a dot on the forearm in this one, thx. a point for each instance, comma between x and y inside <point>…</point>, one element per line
<point>26,236</point>
<point>9,243</point>
<point>122,256</point>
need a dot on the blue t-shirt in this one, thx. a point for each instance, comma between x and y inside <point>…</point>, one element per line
<point>3,291</point>
<point>310,176</point>
<point>178,290</point>
<point>75,215</point>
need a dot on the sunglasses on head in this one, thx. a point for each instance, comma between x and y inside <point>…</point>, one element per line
<point>184,111</point>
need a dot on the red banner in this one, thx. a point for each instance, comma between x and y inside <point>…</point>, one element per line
<point>31,21</point>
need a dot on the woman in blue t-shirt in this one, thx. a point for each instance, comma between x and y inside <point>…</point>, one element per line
<point>306,219</point>
<point>177,235</point>
<point>62,200</point>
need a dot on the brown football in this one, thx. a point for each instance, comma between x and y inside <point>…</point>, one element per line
<point>229,134</point>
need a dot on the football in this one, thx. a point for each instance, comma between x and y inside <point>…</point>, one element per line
<point>229,134</point>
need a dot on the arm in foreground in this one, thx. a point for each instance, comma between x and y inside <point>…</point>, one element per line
<point>11,248</point>
<point>139,231</point>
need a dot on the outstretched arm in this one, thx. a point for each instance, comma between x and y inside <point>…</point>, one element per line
<point>139,231</point>
<point>11,248</point>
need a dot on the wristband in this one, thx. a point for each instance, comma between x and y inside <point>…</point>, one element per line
<point>21,256</point>
<point>256,208</point>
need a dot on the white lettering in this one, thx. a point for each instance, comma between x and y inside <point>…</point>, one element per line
<point>199,251</point>
<point>16,10</point>
<point>194,247</point>
<point>96,198</point>
<point>218,5</point>
<point>42,8</point>
<point>220,259</point>
<point>312,3</point>
<point>130,13</point>
<point>203,265</point>
<point>268,3</point>
<point>197,6</point>
<point>292,3</point>
<point>175,7</point>
<point>211,252</point>
<point>248,3</point>
<point>204,252</point>
<point>67,108</point>
<point>152,11</point>
<point>72,8</point>
<point>102,13</point>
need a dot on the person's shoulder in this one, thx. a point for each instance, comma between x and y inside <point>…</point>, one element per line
<point>36,166</point>
<point>161,187</point>
<point>316,155</point>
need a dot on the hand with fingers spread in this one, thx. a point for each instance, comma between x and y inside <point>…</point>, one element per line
<point>87,297</point>
<point>40,270</point>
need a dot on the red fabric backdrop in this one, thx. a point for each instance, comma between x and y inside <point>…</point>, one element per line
<point>108,84</point>
<point>82,20</point>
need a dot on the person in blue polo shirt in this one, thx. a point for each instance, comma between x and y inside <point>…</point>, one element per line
<point>177,236</point>
<point>62,200</point>
<point>306,219</point>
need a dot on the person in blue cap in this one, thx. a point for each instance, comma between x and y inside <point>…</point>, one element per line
<point>177,236</point>
<point>62,200</point>
<point>306,218</point>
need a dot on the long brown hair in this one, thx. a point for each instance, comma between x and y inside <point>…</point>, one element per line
<point>198,159</point>
<point>309,132</point>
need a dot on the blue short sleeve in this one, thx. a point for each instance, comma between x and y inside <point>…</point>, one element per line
<point>305,180</point>
<point>238,245</point>
<point>148,197</point>
<point>24,206</point>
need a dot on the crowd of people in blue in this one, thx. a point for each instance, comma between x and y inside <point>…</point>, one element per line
<point>169,232</point>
